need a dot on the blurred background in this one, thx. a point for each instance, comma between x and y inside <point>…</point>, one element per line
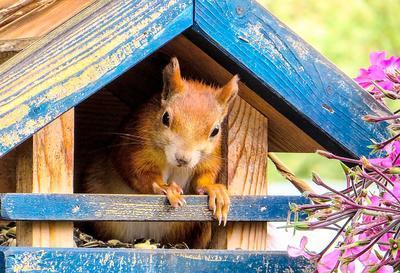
<point>345,32</point>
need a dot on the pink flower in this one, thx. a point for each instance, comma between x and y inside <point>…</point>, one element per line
<point>368,259</point>
<point>392,158</point>
<point>349,267</point>
<point>378,71</point>
<point>384,239</point>
<point>328,262</point>
<point>302,251</point>
<point>375,201</point>
<point>396,192</point>
<point>385,269</point>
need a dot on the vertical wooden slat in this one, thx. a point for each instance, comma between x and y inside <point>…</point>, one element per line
<point>247,170</point>
<point>45,165</point>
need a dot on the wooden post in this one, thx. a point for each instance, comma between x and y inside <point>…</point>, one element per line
<point>247,170</point>
<point>45,165</point>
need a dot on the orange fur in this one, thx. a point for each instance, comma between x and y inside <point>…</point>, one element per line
<point>146,154</point>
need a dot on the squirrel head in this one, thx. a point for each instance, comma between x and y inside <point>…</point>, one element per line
<point>191,116</point>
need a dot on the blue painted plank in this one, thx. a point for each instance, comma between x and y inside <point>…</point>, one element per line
<point>288,73</point>
<point>34,260</point>
<point>94,207</point>
<point>75,60</point>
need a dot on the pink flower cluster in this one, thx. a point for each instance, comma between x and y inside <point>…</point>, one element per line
<point>383,76</point>
<point>366,214</point>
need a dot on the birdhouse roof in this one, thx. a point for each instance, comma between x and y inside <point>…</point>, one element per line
<point>109,37</point>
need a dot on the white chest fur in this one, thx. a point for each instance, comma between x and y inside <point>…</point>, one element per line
<point>180,175</point>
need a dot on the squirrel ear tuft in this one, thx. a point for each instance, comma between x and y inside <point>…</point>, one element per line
<point>172,80</point>
<point>229,91</point>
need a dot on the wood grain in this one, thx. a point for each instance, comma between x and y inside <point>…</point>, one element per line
<point>36,18</point>
<point>247,170</point>
<point>111,207</point>
<point>78,58</point>
<point>15,45</point>
<point>289,74</point>
<point>105,260</point>
<point>45,165</point>
<point>7,172</point>
<point>284,136</point>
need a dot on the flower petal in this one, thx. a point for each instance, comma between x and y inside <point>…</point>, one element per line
<point>385,269</point>
<point>294,251</point>
<point>376,57</point>
<point>328,262</point>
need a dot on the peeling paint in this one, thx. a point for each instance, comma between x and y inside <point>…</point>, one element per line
<point>14,115</point>
<point>64,69</point>
<point>299,47</point>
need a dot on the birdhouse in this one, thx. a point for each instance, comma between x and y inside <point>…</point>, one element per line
<point>62,96</point>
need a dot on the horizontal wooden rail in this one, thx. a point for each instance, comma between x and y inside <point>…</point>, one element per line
<point>95,207</point>
<point>161,260</point>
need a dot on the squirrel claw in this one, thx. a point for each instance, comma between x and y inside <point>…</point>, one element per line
<point>173,192</point>
<point>218,201</point>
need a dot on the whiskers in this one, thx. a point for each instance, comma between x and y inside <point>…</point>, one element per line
<point>211,156</point>
<point>122,140</point>
<point>133,138</point>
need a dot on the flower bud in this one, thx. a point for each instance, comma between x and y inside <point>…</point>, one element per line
<point>325,154</point>
<point>394,170</point>
<point>346,169</point>
<point>293,207</point>
<point>301,226</point>
<point>393,76</point>
<point>366,163</point>
<point>316,179</point>
<point>370,118</point>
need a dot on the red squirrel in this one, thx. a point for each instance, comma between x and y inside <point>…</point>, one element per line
<point>171,146</point>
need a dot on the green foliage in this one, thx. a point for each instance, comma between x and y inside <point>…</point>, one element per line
<point>344,31</point>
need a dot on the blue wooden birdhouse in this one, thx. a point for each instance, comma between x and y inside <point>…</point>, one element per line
<point>62,96</point>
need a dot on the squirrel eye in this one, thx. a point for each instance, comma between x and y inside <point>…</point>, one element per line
<point>165,119</point>
<point>215,131</point>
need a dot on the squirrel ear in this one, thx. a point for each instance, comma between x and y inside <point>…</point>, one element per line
<point>172,80</point>
<point>229,91</point>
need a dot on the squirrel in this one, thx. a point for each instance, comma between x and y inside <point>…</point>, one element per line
<point>170,146</point>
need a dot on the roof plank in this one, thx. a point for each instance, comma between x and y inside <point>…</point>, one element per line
<point>108,260</point>
<point>288,73</point>
<point>108,207</point>
<point>33,18</point>
<point>82,55</point>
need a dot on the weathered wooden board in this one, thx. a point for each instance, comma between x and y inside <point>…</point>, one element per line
<point>46,165</point>
<point>93,207</point>
<point>37,17</point>
<point>247,170</point>
<point>288,73</point>
<point>140,261</point>
<point>76,59</point>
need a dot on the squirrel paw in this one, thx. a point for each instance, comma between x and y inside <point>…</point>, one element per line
<point>173,192</point>
<point>218,201</point>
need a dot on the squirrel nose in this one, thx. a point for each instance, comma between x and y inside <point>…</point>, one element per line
<point>182,160</point>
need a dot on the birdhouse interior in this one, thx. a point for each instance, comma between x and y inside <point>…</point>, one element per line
<point>253,126</point>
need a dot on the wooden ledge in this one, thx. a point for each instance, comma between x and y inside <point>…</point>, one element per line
<point>95,207</point>
<point>161,260</point>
